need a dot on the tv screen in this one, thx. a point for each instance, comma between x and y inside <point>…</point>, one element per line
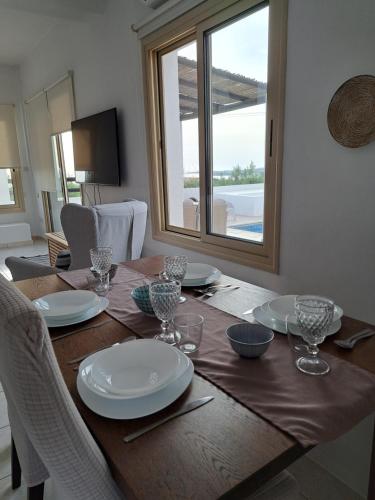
<point>95,147</point>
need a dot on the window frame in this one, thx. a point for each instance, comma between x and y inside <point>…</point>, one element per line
<point>194,25</point>
<point>18,193</point>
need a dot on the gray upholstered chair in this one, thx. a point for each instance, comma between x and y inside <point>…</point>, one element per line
<point>118,225</point>
<point>23,269</point>
<point>49,434</point>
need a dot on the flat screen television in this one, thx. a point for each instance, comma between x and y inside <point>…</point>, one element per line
<point>95,147</point>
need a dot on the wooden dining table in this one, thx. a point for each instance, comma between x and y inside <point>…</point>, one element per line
<point>222,450</point>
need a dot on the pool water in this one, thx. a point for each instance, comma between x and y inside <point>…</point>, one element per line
<point>254,227</point>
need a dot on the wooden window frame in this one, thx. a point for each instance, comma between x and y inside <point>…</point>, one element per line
<point>194,24</point>
<point>18,194</point>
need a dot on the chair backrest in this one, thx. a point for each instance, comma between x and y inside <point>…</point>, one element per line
<point>23,269</point>
<point>122,226</point>
<point>50,435</point>
<point>80,226</point>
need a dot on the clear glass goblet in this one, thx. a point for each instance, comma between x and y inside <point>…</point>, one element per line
<point>101,259</point>
<point>175,269</point>
<point>164,296</point>
<point>314,317</point>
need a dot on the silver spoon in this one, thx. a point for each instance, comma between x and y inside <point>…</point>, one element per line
<point>351,341</point>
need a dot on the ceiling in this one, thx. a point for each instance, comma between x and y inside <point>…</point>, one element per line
<point>24,23</point>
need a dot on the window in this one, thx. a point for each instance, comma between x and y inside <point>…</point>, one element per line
<point>67,189</point>
<point>11,198</point>
<point>215,82</point>
<point>10,190</point>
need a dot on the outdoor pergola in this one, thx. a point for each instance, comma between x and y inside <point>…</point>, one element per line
<point>230,91</point>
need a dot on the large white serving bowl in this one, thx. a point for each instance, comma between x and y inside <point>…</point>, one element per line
<point>263,315</point>
<point>90,313</point>
<point>66,304</point>
<point>284,306</point>
<point>137,368</point>
<point>200,274</point>
<point>118,408</point>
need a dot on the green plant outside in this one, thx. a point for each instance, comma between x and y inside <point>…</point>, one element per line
<point>236,176</point>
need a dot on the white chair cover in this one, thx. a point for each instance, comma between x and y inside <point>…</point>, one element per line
<point>50,436</point>
<point>122,226</point>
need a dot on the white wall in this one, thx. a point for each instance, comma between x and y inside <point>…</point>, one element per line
<point>10,93</point>
<point>328,206</point>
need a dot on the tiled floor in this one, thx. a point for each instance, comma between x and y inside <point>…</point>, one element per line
<point>38,247</point>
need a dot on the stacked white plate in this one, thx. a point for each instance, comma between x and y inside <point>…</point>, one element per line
<point>133,379</point>
<point>70,307</point>
<point>200,274</point>
<point>273,314</point>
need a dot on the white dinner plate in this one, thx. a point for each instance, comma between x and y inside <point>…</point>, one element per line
<point>200,274</point>
<point>284,306</point>
<point>135,369</point>
<point>90,313</point>
<point>66,304</point>
<point>125,409</point>
<point>264,317</point>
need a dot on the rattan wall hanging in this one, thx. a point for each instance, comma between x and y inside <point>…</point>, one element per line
<point>351,112</point>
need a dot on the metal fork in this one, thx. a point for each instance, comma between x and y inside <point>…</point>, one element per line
<point>213,292</point>
<point>351,341</point>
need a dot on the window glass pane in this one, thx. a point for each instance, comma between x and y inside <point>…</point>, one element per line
<point>181,148</point>
<point>7,191</point>
<point>56,198</point>
<point>73,188</point>
<point>237,82</point>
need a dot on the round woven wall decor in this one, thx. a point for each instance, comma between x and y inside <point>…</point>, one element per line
<point>351,112</point>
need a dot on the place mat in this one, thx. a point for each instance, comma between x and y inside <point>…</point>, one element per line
<point>311,409</point>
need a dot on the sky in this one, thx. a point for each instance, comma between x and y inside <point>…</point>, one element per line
<point>238,136</point>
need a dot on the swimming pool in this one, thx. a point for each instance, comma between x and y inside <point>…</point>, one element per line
<point>253,227</point>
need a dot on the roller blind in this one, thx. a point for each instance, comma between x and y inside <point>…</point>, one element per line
<point>40,130</point>
<point>9,151</point>
<point>61,105</point>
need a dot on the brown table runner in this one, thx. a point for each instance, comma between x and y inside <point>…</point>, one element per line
<point>311,409</point>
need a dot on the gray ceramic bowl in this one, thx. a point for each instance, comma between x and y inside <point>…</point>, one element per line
<point>248,340</point>
<point>112,271</point>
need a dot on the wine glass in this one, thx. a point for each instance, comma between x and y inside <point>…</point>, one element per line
<point>164,296</point>
<point>314,317</point>
<point>101,258</point>
<point>175,269</point>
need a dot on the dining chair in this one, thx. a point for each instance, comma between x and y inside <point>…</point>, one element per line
<point>22,269</point>
<point>120,226</point>
<point>50,437</point>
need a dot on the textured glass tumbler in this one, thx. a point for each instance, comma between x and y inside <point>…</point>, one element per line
<point>175,269</point>
<point>314,317</point>
<point>190,327</point>
<point>101,259</point>
<point>164,296</point>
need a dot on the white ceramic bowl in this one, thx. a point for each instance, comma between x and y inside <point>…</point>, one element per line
<point>137,368</point>
<point>249,340</point>
<point>66,304</point>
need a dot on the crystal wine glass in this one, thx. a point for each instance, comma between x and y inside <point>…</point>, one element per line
<point>164,296</point>
<point>314,317</point>
<point>101,258</point>
<point>175,269</point>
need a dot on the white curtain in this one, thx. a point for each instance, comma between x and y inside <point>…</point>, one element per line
<point>60,101</point>
<point>40,130</point>
<point>9,151</point>
<point>49,113</point>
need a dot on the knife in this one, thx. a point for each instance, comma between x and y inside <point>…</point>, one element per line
<point>185,409</point>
